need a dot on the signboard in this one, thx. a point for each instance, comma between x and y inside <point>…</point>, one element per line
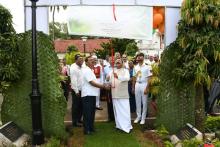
<point>133,22</point>
<point>11,131</point>
<point>173,3</point>
<point>172,18</point>
<point>12,135</point>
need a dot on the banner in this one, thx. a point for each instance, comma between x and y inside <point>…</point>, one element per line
<point>133,22</point>
<point>171,22</point>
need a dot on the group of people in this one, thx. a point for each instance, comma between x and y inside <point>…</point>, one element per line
<point>125,86</point>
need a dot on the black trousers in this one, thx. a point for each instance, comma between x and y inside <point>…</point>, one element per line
<point>110,106</point>
<point>77,108</point>
<point>89,105</point>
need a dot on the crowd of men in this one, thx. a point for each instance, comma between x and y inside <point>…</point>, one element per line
<point>123,83</point>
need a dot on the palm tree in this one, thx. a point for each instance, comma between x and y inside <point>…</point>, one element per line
<point>53,9</point>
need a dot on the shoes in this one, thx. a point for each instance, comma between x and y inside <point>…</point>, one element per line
<point>93,131</point>
<point>137,120</point>
<point>142,122</point>
<point>99,108</point>
<point>88,133</point>
<point>81,122</point>
<point>77,125</point>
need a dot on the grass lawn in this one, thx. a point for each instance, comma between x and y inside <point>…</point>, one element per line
<point>107,136</point>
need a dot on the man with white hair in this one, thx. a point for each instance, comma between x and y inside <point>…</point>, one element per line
<point>119,80</point>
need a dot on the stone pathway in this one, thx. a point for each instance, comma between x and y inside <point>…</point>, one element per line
<point>100,115</point>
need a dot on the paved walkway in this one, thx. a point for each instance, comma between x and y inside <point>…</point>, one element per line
<point>100,115</point>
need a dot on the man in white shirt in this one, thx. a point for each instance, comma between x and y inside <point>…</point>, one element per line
<point>89,92</point>
<point>142,74</point>
<point>76,86</point>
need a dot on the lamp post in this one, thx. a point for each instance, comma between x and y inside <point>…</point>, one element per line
<point>37,131</point>
<point>84,38</point>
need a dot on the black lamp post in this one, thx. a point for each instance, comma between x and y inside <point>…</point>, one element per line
<point>37,132</point>
<point>84,38</point>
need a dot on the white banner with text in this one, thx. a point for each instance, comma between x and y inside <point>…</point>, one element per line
<point>133,22</point>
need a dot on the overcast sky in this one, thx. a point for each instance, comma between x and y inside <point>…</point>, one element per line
<point>16,7</point>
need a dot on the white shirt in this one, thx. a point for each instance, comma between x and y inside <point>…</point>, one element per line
<point>120,85</point>
<point>142,72</point>
<point>87,88</point>
<point>76,77</point>
<point>126,64</point>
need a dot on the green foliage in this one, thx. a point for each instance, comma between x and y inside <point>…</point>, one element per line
<point>175,103</point>
<point>131,48</point>
<point>192,143</point>
<point>119,45</point>
<point>9,54</point>
<point>154,81</point>
<point>53,142</point>
<point>71,52</point>
<point>101,53</point>
<point>212,123</point>
<point>168,144</point>
<point>162,131</point>
<point>190,62</point>
<point>216,142</point>
<point>16,105</point>
<point>59,29</point>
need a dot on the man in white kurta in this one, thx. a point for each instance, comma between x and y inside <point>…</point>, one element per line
<point>119,80</point>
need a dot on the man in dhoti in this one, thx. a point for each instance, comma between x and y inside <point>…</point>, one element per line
<point>119,78</point>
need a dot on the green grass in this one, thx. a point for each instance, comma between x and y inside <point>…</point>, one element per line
<point>107,136</point>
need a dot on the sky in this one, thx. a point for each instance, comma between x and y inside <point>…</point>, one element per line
<point>16,7</point>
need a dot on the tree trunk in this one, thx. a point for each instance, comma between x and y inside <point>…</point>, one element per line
<point>199,108</point>
<point>53,22</point>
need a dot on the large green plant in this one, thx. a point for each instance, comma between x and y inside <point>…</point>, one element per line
<point>9,55</point>
<point>70,55</point>
<point>196,59</point>
<point>199,39</point>
<point>175,103</point>
<point>16,106</point>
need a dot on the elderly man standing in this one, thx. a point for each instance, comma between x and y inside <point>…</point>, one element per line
<point>90,89</point>
<point>119,80</point>
<point>142,74</point>
<point>76,86</point>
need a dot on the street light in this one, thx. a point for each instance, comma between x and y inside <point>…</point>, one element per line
<point>84,38</point>
<point>37,131</point>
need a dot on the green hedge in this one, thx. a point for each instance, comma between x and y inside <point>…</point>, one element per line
<point>16,106</point>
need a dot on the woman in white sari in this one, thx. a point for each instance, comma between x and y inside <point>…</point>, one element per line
<point>119,78</point>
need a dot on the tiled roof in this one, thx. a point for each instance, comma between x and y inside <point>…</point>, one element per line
<point>91,44</point>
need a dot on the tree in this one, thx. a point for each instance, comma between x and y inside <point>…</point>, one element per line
<point>194,58</point>
<point>16,104</point>
<point>9,54</point>
<point>131,49</point>
<point>199,39</point>
<point>53,9</point>
<point>71,52</point>
<point>58,30</point>
<point>118,45</point>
